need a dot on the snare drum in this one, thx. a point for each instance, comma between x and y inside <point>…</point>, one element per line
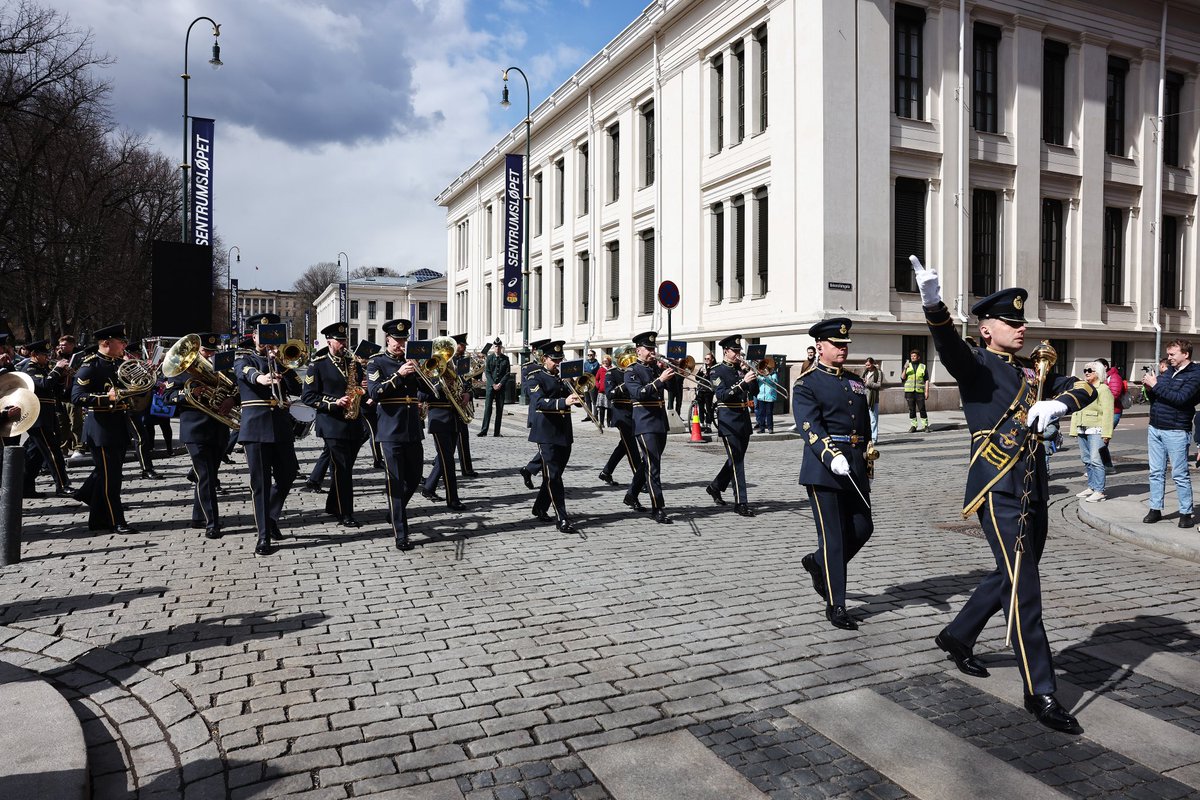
<point>303,419</point>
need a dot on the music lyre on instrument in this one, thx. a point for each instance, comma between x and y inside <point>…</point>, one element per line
<point>580,383</point>
<point>205,389</point>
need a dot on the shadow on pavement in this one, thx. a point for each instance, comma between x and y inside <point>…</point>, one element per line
<point>35,608</point>
<point>933,592</point>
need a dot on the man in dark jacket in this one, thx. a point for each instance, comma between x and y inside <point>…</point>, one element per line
<point>495,385</point>
<point>1173,396</point>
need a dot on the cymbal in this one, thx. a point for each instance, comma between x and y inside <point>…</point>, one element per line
<point>23,398</point>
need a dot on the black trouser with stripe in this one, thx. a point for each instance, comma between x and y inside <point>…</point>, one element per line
<point>443,465</point>
<point>102,488</point>
<point>320,467</point>
<point>554,463</point>
<point>734,468</point>
<point>843,526</point>
<point>342,453</point>
<point>273,470</point>
<point>403,462</point>
<point>999,515</point>
<point>41,449</point>
<point>652,446</point>
<point>206,460</point>
<point>627,448</point>
<point>464,447</point>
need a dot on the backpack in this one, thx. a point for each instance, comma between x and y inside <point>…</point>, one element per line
<point>1126,399</point>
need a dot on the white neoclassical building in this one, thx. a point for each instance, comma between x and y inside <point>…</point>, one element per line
<point>419,295</point>
<point>780,160</point>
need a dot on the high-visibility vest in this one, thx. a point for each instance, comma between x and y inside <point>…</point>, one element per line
<point>914,378</point>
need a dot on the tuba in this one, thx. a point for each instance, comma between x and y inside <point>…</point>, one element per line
<point>206,389</point>
<point>625,356</point>
<point>16,390</point>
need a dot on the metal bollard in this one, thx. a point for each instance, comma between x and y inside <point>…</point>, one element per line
<point>12,492</point>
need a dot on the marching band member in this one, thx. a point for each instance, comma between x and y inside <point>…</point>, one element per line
<point>645,383</point>
<point>527,371</point>
<point>444,424</point>
<point>42,445</point>
<point>620,416</point>
<point>551,401</point>
<point>106,430</point>
<point>370,409</point>
<point>204,438</point>
<point>266,432</point>
<point>830,407</point>
<point>462,367</point>
<point>733,392</point>
<point>327,389</point>
<point>393,383</point>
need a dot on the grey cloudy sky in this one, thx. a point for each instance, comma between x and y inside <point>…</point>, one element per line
<point>337,121</point>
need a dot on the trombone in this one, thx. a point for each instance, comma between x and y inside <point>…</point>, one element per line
<point>580,387</point>
<point>685,368</point>
<point>763,369</point>
<point>292,354</point>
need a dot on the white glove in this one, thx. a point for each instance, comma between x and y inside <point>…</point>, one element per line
<point>927,283</point>
<point>839,465</point>
<point>1043,413</point>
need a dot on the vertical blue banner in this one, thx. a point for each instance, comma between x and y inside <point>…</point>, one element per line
<point>234,317</point>
<point>202,180</point>
<point>344,302</point>
<point>514,228</point>
<point>307,335</point>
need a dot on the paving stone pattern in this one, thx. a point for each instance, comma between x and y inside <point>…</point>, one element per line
<point>498,648</point>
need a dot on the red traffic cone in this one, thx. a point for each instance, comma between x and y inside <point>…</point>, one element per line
<point>696,434</point>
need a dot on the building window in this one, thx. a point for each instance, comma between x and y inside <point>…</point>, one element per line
<point>371,335</point>
<point>718,96</point>
<point>739,248</point>
<point>648,144</point>
<point>537,205</point>
<point>1054,92</point>
<point>371,308</point>
<point>984,241</point>
<point>422,333</point>
<point>908,343</point>
<point>583,179</point>
<point>585,286</point>
<point>560,190</point>
<point>761,228</point>
<point>718,253</point>
<point>1114,110</point>
<point>560,292</point>
<point>1171,112</point>
<point>423,311</point>
<point>1119,357</point>
<point>487,308</point>
<point>1114,256</point>
<point>648,283</point>
<point>760,36</point>
<point>537,297</point>
<point>489,230</point>
<point>353,309</point>
<point>463,243</point>
<point>909,67</point>
<point>443,311</point>
<point>354,337</point>
<point>908,226</point>
<point>389,308</point>
<point>738,54</point>
<point>1052,249</point>
<point>1169,286</point>
<point>986,71</point>
<point>614,162</point>
<point>614,279</point>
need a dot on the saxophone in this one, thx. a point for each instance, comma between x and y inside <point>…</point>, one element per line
<point>353,390</point>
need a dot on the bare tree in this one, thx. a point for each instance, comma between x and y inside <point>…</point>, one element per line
<point>315,280</point>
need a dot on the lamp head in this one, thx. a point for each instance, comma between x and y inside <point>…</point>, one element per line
<point>215,62</point>
<point>239,257</point>
<point>504,96</point>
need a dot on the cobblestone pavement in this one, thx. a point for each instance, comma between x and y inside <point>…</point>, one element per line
<point>499,650</point>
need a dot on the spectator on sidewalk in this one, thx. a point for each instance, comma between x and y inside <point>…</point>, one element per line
<point>1093,425</point>
<point>1173,396</point>
<point>704,392</point>
<point>915,376</point>
<point>1117,386</point>
<point>764,404</point>
<point>602,404</point>
<point>873,380</point>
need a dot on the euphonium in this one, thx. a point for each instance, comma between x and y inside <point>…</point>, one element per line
<point>437,372</point>
<point>625,356</point>
<point>206,389</point>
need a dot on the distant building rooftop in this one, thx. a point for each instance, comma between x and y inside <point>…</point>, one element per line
<point>422,275</point>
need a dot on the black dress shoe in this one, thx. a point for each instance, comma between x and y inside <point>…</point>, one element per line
<point>606,477</point>
<point>742,510</point>
<point>433,496</point>
<point>482,433</point>
<point>526,476</point>
<point>226,460</point>
<point>457,505</point>
<point>66,491</point>
<point>661,517</point>
<point>471,474</point>
<point>961,655</point>
<point>191,476</point>
<point>542,516</point>
<point>78,496</point>
<point>1153,515</point>
<point>212,533</point>
<point>402,544</point>
<point>497,433</point>
<point>377,464</point>
<point>273,530</point>
<point>150,474</point>
<point>714,494</point>
<point>809,562</point>
<point>198,525</point>
<point>565,526</point>
<point>840,618</point>
<point>634,503</point>
<point>350,522</point>
<point>1186,521</point>
<point>1050,713</point>
<point>123,528</point>
<point>311,488</point>
<point>264,547</point>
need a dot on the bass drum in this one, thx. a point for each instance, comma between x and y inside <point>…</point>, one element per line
<point>303,419</point>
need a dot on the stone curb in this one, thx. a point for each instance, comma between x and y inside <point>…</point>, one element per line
<point>1163,537</point>
<point>42,740</point>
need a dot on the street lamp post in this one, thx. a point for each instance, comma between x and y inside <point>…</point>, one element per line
<point>216,63</point>
<point>229,266</point>
<point>346,306</point>
<point>525,271</point>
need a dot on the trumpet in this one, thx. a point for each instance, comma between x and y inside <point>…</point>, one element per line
<point>686,368</point>
<point>763,369</point>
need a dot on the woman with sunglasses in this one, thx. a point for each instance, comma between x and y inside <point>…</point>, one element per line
<point>1093,424</point>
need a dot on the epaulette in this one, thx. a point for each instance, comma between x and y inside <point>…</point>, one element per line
<point>317,358</point>
<point>241,352</point>
<point>320,352</point>
<point>374,356</point>
<point>89,357</point>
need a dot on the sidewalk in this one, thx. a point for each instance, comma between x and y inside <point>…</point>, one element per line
<point>1122,517</point>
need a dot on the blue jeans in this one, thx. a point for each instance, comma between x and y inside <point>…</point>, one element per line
<point>1162,445</point>
<point>1089,453</point>
<point>874,414</point>
<point>764,415</point>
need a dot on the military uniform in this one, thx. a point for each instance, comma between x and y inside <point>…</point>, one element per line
<point>496,370</point>
<point>267,436</point>
<point>830,407</point>
<point>1007,486</point>
<point>444,424</point>
<point>462,367</point>
<point>400,429</point>
<point>106,430</point>
<point>620,416</point>
<point>205,438</point>
<point>733,398</point>
<point>41,445</point>
<point>528,370</point>
<point>325,384</point>
<point>650,425</point>
<point>551,430</point>
<point>369,410</point>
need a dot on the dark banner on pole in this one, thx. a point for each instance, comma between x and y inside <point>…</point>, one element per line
<point>202,180</point>
<point>307,335</point>
<point>234,321</point>
<point>514,229</point>
<point>342,303</point>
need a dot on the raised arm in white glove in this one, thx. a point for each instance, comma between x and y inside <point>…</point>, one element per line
<point>927,283</point>
<point>1043,413</point>
<point>839,465</point>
